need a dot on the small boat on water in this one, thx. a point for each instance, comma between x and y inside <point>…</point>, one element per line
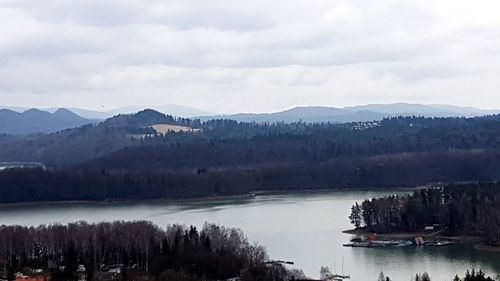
<point>358,245</point>
<point>441,243</point>
<point>405,243</point>
<point>339,277</point>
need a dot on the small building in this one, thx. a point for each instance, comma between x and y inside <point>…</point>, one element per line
<point>81,273</point>
<point>419,241</point>
<point>36,276</point>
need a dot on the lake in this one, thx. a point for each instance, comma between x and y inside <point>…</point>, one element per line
<point>302,227</point>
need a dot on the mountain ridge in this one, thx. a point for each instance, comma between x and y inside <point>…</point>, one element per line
<point>55,119</point>
<point>169,109</point>
<point>360,113</point>
<point>38,121</point>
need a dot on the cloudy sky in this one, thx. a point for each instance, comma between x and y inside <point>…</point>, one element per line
<point>255,56</point>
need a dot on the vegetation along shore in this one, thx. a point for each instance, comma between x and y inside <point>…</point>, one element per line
<point>460,212</point>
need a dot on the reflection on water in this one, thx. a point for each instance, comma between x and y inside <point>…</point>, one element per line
<point>303,227</point>
<point>440,262</point>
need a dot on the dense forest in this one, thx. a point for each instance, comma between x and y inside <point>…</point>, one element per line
<point>227,142</point>
<point>138,249</point>
<point>457,209</point>
<point>26,185</point>
<point>124,158</point>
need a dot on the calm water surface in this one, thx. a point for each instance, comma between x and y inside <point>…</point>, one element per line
<point>305,228</point>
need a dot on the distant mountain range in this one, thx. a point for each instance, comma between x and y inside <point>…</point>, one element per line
<point>170,109</point>
<point>18,120</point>
<point>21,121</point>
<point>38,121</point>
<point>356,113</point>
<point>431,110</point>
<point>305,114</point>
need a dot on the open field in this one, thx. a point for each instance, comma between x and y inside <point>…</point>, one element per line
<point>167,128</point>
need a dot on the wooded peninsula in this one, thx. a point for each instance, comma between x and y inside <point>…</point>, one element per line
<point>454,210</point>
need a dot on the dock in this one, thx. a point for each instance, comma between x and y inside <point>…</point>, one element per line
<point>397,243</point>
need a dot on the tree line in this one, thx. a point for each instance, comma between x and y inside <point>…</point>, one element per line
<point>401,170</point>
<point>459,209</point>
<point>172,253</point>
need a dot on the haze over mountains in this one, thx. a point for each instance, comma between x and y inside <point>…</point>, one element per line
<point>18,120</point>
<point>171,109</point>
<point>357,113</point>
<point>38,121</point>
<point>21,121</point>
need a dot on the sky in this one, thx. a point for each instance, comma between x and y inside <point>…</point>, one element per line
<point>230,56</point>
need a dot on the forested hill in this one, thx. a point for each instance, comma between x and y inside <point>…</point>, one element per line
<point>72,146</point>
<point>124,157</point>
<point>226,142</point>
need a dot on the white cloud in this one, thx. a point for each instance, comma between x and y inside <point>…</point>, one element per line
<point>228,56</point>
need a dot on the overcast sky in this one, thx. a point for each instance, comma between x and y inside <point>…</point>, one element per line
<point>254,56</point>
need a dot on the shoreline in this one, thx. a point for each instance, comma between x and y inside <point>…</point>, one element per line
<point>127,201</point>
<point>212,198</point>
<point>487,248</point>
<point>411,235</point>
<point>476,241</point>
